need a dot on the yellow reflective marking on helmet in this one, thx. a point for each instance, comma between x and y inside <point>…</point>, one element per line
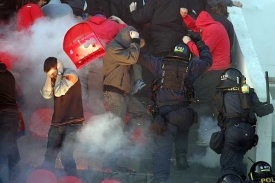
<point>178,49</point>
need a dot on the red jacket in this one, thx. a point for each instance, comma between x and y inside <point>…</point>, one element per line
<point>27,15</point>
<point>215,37</point>
<point>105,29</point>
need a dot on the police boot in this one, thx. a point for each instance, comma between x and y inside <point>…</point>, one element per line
<point>181,161</point>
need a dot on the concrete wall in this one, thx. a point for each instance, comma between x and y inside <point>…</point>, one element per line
<point>253,55</point>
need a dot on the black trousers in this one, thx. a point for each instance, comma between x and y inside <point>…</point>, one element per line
<point>239,137</point>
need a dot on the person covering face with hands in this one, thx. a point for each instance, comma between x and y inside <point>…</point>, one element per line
<point>62,84</point>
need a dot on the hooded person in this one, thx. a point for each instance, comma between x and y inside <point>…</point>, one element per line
<point>56,9</point>
<point>121,55</point>
<point>219,13</point>
<point>216,38</point>
<point>9,154</point>
<point>29,13</point>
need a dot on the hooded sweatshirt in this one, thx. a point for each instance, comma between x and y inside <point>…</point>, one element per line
<point>120,55</point>
<point>27,15</point>
<point>7,88</point>
<point>56,9</point>
<point>215,37</point>
<point>105,29</point>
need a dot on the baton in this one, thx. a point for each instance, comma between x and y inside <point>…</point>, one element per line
<point>267,88</point>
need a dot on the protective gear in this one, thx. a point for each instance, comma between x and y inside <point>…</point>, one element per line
<point>258,167</point>
<point>263,110</point>
<point>231,178</point>
<point>181,51</point>
<point>174,72</point>
<point>196,37</point>
<point>231,78</point>
<point>138,86</point>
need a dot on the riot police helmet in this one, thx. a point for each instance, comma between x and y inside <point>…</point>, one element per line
<point>259,167</point>
<point>180,52</point>
<point>231,77</point>
<point>231,178</point>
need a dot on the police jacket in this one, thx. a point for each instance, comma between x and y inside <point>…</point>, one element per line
<point>195,69</point>
<point>234,104</point>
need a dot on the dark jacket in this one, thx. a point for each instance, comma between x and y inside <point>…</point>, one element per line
<point>92,5</point>
<point>120,55</point>
<point>7,9</point>
<point>230,105</point>
<point>7,89</point>
<point>166,27</point>
<point>120,8</point>
<point>195,7</point>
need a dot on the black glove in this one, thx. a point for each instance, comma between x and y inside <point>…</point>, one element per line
<point>264,110</point>
<point>196,37</point>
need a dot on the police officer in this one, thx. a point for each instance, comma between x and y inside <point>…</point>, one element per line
<point>261,171</point>
<point>237,104</point>
<point>172,91</point>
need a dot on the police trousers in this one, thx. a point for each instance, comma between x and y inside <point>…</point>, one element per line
<point>239,137</point>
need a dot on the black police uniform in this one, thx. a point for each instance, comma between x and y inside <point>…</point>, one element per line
<point>237,117</point>
<point>171,93</point>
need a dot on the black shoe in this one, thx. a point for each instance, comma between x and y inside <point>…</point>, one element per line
<point>181,162</point>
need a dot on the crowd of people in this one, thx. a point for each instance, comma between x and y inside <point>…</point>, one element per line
<point>165,63</point>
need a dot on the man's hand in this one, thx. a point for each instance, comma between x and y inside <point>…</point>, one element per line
<point>237,4</point>
<point>183,12</point>
<point>134,34</point>
<point>186,39</point>
<point>133,6</point>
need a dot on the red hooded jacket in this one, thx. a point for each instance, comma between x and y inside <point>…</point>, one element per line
<point>105,29</point>
<point>27,15</point>
<point>215,37</point>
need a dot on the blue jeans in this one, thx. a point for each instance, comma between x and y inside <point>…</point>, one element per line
<point>91,78</point>
<point>61,138</point>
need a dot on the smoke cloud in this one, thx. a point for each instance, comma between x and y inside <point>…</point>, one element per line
<point>210,158</point>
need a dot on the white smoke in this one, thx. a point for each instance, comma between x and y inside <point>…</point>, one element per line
<point>210,158</point>
<point>102,133</point>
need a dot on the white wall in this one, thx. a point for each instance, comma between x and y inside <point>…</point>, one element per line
<point>259,16</point>
<point>253,55</point>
